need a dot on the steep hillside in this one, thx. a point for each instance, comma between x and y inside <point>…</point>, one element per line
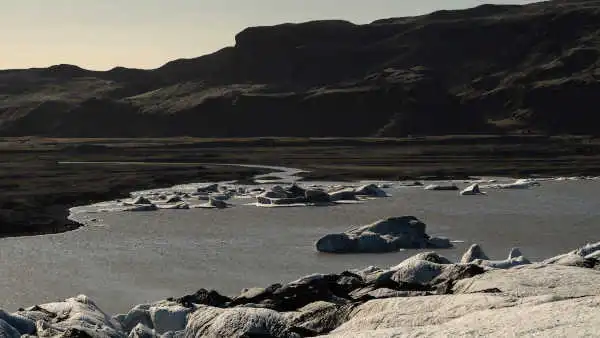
<point>533,68</point>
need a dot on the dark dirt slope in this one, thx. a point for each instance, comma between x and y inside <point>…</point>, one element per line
<point>486,69</point>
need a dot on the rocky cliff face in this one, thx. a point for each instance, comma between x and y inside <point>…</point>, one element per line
<point>486,69</point>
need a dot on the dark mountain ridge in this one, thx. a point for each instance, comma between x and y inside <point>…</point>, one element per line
<point>493,68</point>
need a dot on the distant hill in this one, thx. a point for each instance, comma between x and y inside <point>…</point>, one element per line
<point>532,68</point>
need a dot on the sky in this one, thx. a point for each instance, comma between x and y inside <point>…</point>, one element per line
<point>102,34</point>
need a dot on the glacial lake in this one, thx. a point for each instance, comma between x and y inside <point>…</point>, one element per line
<point>126,258</point>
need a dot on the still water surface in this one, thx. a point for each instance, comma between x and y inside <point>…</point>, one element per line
<point>124,259</point>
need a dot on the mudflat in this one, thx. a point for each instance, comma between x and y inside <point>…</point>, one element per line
<point>37,188</point>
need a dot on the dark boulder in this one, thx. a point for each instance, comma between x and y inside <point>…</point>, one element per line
<point>204,297</point>
<point>295,191</point>
<point>444,282</point>
<point>255,296</point>
<point>347,194</point>
<point>320,318</point>
<point>75,333</point>
<point>317,196</point>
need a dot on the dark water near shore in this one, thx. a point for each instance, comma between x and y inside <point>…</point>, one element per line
<point>131,258</point>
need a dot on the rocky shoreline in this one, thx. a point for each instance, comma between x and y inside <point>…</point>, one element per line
<point>44,208</point>
<point>423,295</point>
<point>37,191</point>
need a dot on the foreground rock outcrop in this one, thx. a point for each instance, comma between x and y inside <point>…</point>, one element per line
<point>386,235</point>
<point>425,295</point>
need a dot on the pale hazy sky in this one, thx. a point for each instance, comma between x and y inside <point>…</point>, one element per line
<point>101,34</point>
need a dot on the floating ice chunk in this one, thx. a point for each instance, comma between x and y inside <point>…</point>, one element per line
<point>518,184</point>
<point>514,253</point>
<point>442,187</point>
<point>473,253</point>
<point>472,190</point>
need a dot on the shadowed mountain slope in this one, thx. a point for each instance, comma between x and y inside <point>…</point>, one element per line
<point>486,69</point>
